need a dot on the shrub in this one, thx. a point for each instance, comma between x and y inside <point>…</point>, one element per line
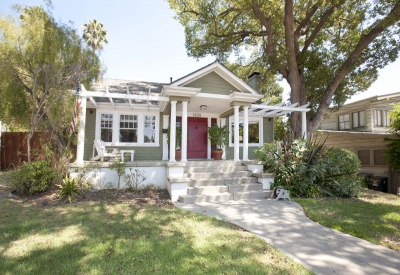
<point>306,169</point>
<point>68,189</point>
<point>33,177</point>
<point>134,178</point>
<point>341,173</point>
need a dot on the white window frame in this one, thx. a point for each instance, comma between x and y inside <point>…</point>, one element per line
<point>251,119</point>
<point>359,115</point>
<point>119,128</point>
<point>343,115</point>
<point>140,131</point>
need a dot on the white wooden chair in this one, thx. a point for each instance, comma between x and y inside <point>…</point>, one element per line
<point>103,152</point>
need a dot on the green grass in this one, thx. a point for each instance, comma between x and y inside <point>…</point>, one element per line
<point>122,238</point>
<point>374,216</point>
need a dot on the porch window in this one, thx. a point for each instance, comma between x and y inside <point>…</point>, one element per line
<point>106,127</point>
<point>382,118</point>
<point>344,122</point>
<point>128,125</point>
<point>254,132</point>
<point>149,129</point>
<point>358,119</point>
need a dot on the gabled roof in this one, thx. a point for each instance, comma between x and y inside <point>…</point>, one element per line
<point>222,71</point>
<point>391,96</point>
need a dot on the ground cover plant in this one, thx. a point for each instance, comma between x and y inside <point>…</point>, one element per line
<point>114,236</point>
<point>374,216</point>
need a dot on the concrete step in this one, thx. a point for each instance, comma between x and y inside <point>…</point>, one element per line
<point>244,187</point>
<point>258,194</point>
<point>225,169</point>
<point>216,175</point>
<point>226,196</point>
<point>202,190</point>
<point>213,182</point>
<point>212,163</point>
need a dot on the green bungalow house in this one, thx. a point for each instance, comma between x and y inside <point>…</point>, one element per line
<point>137,117</point>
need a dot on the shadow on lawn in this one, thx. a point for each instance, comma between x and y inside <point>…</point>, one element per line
<point>100,238</point>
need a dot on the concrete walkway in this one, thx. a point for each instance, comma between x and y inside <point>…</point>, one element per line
<point>320,249</point>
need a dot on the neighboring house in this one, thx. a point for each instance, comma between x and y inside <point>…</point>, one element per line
<point>137,116</point>
<point>361,127</point>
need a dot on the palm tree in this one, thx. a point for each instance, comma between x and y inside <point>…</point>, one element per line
<point>94,34</point>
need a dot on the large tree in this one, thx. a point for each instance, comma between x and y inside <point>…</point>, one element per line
<point>41,60</point>
<point>327,50</point>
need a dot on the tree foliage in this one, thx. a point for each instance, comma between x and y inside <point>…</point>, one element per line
<point>326,50</point>
<point>41,60</point>
<point>392,153</point>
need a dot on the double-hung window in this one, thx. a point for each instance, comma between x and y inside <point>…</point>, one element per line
<point>149,129</point>
<point>128,127</point>
<point>358,119</point>
<point>382,118</point>
<point>344,122</point>
<point>106,127</point>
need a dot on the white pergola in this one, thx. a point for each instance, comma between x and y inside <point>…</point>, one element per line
<point>137,100</point>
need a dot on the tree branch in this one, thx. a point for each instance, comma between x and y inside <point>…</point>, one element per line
<point>324,19</point>
<point>270,47</point>
<point>305,22</point>
<point>392,18</point>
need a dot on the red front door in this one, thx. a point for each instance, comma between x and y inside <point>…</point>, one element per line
<point>197,138</point>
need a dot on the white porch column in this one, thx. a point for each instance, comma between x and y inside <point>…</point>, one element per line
<point>165,137</point>
<point>304,125</point>
<point>172,132</point>
<point>81,130</point>
<point>184,131</point>
<point>223,122</point>
<point>208,140</point>
<point>246,133</point>
<point>236,156</point>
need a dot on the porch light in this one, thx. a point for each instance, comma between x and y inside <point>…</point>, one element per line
<point>203,107</point>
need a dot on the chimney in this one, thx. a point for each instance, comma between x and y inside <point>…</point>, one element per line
<point>254,81</point>
<point>170,80</point>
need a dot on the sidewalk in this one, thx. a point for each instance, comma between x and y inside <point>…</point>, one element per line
<point>320,249</point>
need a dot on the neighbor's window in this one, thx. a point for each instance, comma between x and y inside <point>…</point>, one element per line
<point>364,156</point>
<point>106,127</point>
<point>344,122</point>
<point>358,119</point>
<point>128,126</point>
<point>382,118</point>
<point>149,129</point>
<point>379,157</point>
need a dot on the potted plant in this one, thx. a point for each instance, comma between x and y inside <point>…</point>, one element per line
<point>218,137</point>
<point>178,141</point>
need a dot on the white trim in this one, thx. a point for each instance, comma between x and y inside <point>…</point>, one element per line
<point>217,96</point>
<point>223,72</point>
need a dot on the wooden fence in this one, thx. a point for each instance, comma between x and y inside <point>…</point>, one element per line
<point>14,149</point>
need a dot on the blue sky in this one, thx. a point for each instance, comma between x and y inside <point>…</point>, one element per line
<point>147,43</point>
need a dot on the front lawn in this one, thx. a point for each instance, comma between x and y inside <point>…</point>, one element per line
<point>128,238</point>
<point>374,216</point>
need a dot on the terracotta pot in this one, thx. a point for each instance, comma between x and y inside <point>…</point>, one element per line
<point>178,155</point>
<point>217,155</point>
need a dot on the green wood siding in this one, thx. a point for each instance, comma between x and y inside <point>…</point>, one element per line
<point>141,153</point>
<point>268,127</point>
<point>212,83</point>
<point>90,129</point>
